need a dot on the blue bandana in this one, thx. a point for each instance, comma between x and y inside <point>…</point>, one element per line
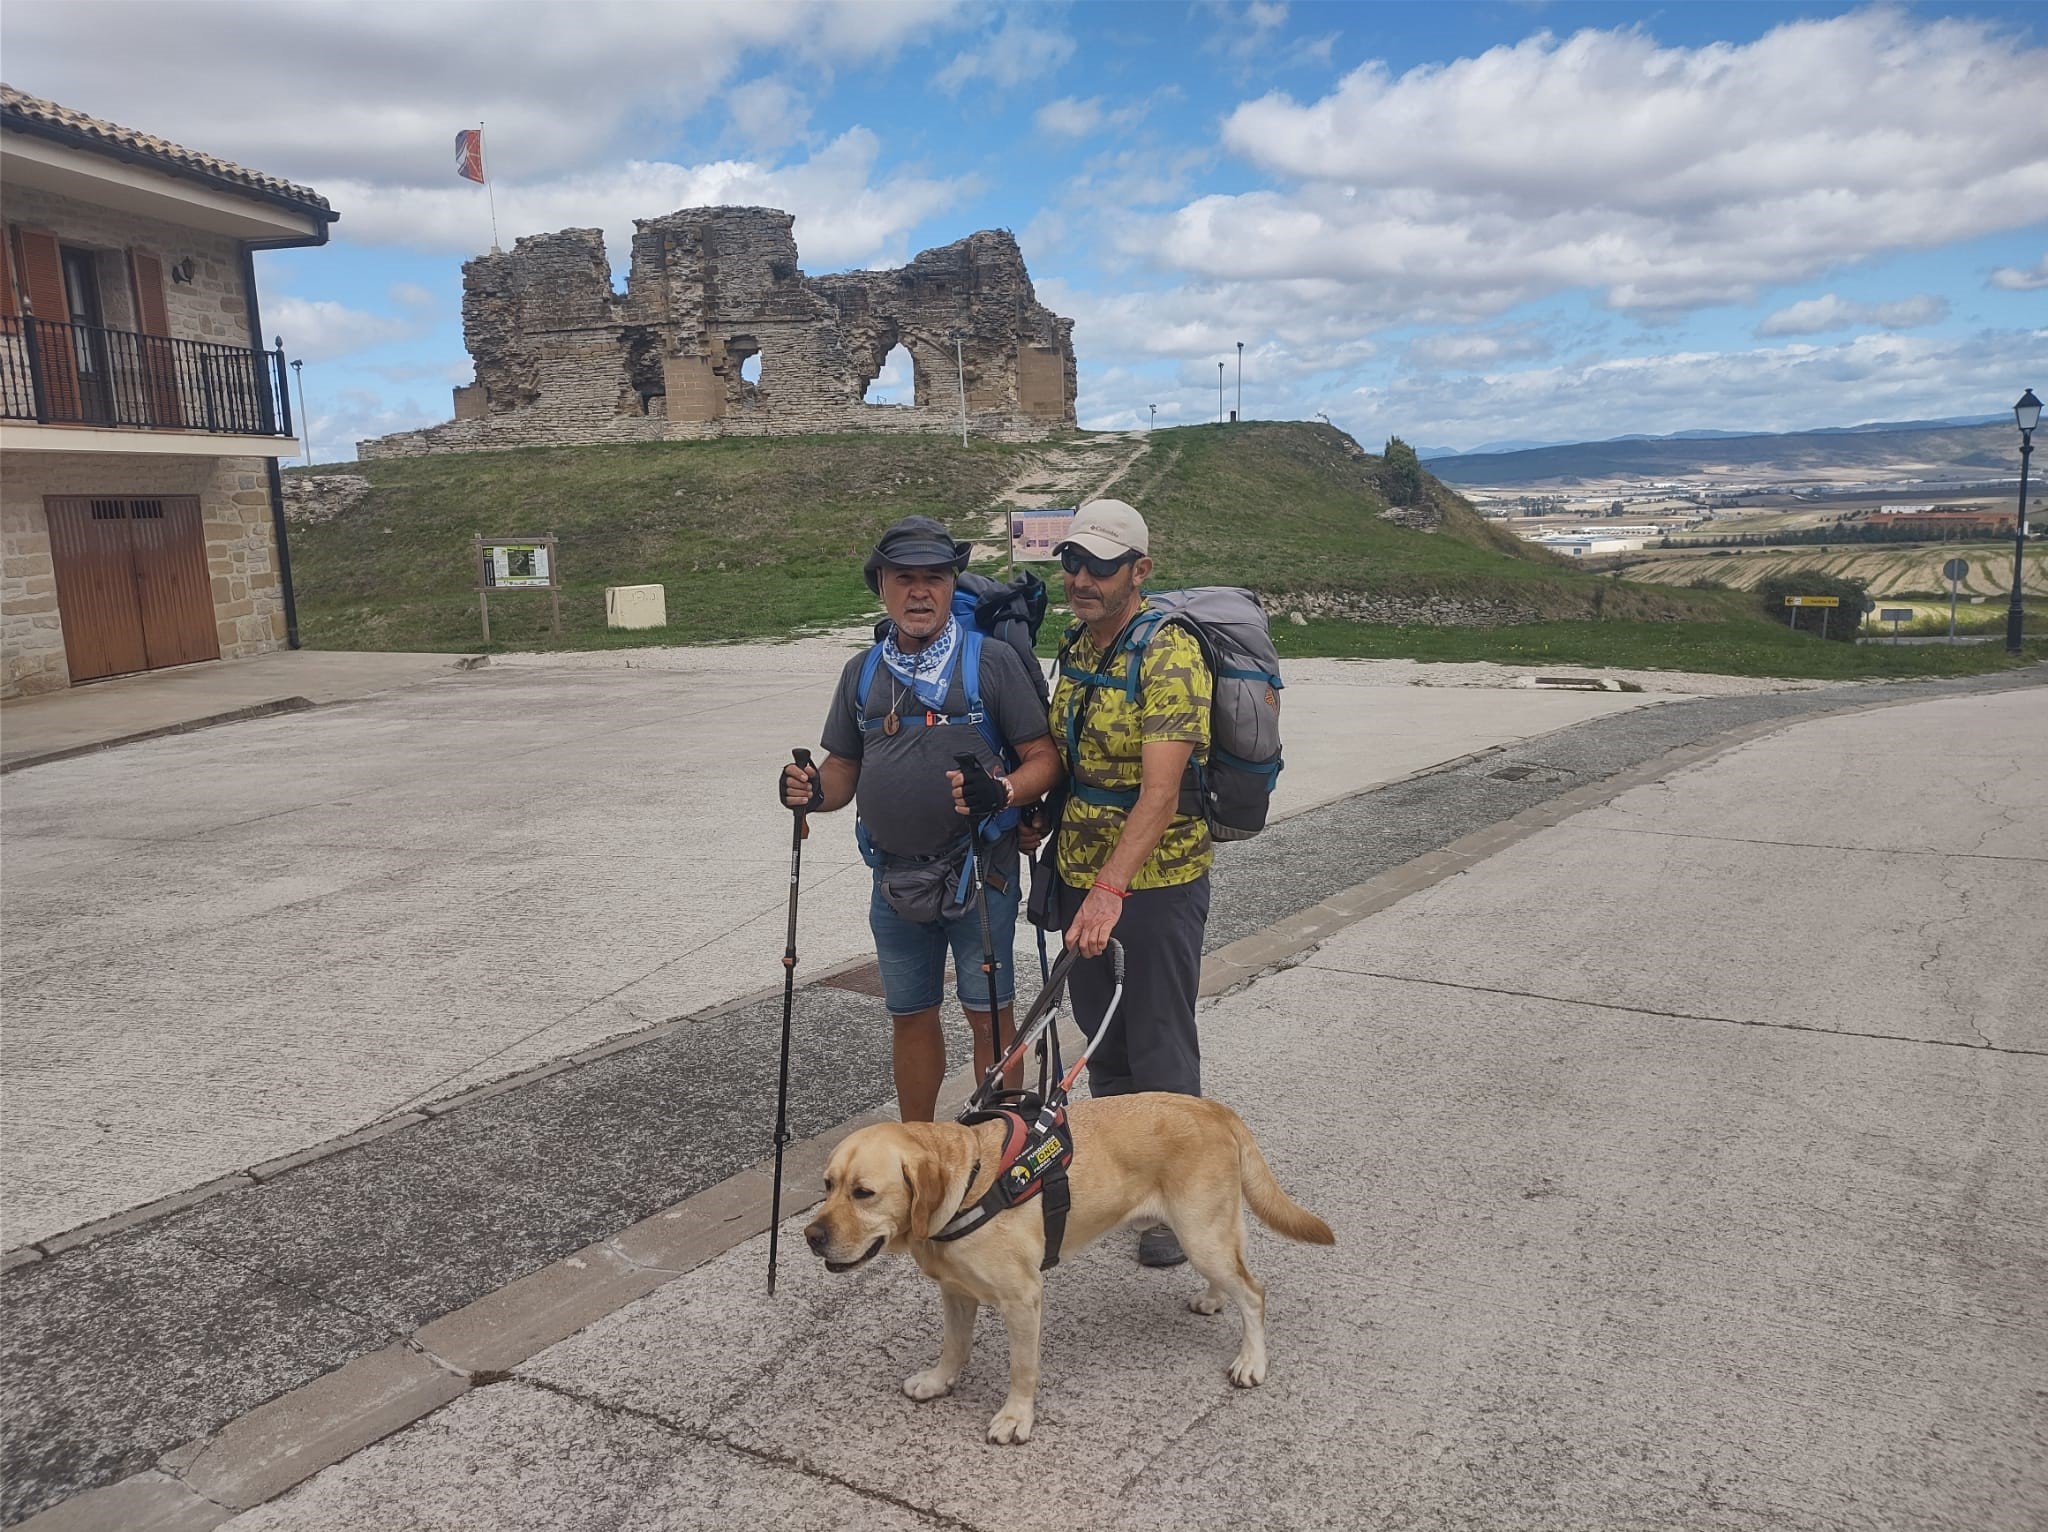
<point>930,670</point>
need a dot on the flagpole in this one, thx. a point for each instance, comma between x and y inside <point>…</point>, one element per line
<point>489,195</point>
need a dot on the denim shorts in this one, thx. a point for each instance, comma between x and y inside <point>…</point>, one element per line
<point>913,953</point>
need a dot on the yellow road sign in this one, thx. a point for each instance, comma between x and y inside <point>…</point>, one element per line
<point>1813,601</point>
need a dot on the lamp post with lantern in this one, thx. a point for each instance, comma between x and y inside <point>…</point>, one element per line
<point>2028,415</point>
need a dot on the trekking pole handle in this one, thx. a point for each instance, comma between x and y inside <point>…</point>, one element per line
<point>802,757</point>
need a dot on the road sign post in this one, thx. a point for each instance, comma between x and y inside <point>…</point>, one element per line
<point>1826,604</point>
<point>1895,615</point>
<point>1955,569</point>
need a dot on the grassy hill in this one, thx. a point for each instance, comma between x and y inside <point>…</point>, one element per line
<point>764,538</point>
<point>1944,453</point>
<point>752,539</point>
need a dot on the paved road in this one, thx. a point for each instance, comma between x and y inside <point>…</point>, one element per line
<point>227,947</point>
<point>124,1349</point>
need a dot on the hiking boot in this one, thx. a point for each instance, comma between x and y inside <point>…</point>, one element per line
<point>1157,1246</point>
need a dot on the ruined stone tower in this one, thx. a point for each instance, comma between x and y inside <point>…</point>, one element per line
<point>560,357</point>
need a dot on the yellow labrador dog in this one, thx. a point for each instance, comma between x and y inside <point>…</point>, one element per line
<point>1137,1159</point>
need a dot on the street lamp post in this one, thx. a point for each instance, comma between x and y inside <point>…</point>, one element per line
<point>305,425</point>
<point>1240,383</point>
<point>2028,415</point>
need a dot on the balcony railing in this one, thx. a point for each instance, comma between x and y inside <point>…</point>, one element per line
<point>71,374</point>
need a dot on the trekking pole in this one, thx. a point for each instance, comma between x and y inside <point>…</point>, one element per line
<point>968,763</point>
<point>798,831</point>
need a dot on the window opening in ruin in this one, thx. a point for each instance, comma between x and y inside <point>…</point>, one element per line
<point>896,383</point>
<point>750,370</point>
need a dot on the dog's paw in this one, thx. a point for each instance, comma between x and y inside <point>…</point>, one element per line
<point>1012,1425</point>
<point>929,1384</point>
<point>1248,1372</point>
<point>1206,1303</point>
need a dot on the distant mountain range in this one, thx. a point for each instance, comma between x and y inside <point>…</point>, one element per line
<point>1977,446</point>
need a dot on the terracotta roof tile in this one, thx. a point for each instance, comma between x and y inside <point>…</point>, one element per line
<point>32,114</point>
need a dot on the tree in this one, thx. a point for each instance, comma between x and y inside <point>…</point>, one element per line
<point>1400,473</point>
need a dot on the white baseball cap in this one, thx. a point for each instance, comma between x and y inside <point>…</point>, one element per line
<point>1109,529</point>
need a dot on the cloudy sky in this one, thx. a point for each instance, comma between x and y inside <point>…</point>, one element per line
<point>1460,224</point>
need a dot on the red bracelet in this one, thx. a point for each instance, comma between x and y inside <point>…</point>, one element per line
<point>1111,888</point>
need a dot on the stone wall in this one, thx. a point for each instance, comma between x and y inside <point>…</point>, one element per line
<point>234,509</point>
<point>211,307</point>
<point>561,357</point>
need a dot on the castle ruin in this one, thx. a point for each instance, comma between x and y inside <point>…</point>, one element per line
<point>562,358</point>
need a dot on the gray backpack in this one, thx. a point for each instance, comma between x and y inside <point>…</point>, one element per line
<point>1233,788</point>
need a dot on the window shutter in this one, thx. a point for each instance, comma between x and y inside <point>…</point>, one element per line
<point>10,305</point>
<point>42,276</point>
<point>151,315</point>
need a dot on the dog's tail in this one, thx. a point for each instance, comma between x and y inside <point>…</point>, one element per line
<point>1277,1211</point>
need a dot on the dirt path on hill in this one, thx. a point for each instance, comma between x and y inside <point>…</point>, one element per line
<point>1065,473</point>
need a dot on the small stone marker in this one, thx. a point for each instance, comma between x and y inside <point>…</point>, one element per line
<point>635,606</point>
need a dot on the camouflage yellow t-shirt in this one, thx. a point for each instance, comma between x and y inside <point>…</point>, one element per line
<point>1172,705</point>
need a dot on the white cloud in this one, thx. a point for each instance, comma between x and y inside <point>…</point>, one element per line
<point>768,113</point>
<point>1814,316</point>
<point>1783,388</point>
<point>2015,279</point>
<point>356,414</point>
<point>1014,54</point>
<point>1068,118</point>
<point>379,87</point>
<point>1472,348</point>
<point>1666,178</point>
<point>319,329</point>
<point>844,214</point>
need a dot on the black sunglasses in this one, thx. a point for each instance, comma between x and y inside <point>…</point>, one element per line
<point>1073,561</point>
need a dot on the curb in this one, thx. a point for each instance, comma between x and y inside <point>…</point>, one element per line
<point>186,726</point>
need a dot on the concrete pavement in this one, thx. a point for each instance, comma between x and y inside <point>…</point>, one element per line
<point>126,708</point>
<point>227,947</point>
<point>1593,1239</point>
<point>1685,1160</point>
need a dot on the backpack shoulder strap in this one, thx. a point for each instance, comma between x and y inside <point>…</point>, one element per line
<point>972,642</point>
<point>866,684</point>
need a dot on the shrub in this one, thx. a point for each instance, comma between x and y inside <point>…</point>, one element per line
<point>1838,623</point>
<point>1400,473</point>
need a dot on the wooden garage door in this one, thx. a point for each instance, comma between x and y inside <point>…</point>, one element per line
<point>132,585</point>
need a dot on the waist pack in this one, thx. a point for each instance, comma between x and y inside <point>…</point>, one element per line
<point>1231,788</point>
<point>923,889</point>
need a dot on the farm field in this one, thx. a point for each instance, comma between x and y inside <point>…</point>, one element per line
<point>1887,570</point>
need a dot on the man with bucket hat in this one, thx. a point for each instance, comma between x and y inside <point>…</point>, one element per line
<point>933,688</point>
<point>1131,863</point>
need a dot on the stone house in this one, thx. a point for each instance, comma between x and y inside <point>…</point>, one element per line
<point>141,419</point>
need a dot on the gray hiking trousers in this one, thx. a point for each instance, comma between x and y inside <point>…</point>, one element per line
<point>1151,1043</point>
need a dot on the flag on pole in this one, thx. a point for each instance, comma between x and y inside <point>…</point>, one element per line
<point>469,155</point>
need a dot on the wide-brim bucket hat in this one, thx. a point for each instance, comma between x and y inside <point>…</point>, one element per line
<point>915,542</point>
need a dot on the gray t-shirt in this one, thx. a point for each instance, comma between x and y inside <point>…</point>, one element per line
<point>904,798</point>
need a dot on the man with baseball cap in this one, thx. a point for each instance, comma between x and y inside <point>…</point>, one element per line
<point>1131,864</point>
<point>897,721</point>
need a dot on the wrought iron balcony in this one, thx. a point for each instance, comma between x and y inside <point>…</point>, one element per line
<point>71,374</point>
